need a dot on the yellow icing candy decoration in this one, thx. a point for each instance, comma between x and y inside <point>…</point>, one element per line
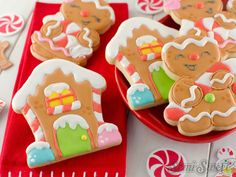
<point>84,137</point>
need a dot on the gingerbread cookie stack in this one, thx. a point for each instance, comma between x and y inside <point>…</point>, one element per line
<point>73,32</point>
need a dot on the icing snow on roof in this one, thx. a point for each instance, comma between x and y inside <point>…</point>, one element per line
<point>48,67</point>
<point>125,31</point>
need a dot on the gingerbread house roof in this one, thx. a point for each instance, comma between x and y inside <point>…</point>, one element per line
<point>125,31</point>
<point>48,67</point>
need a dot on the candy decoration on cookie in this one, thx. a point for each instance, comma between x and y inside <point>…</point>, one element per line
<point>4,61</point>
<point>77,126</point>
<point>2,105</point>
<point>10,24</point>
<point>149,6</point>
<point>166,163</point>
<point>144,38</point>
<point>226,162</point>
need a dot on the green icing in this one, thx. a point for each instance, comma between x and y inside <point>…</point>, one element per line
<point>162,82</point>
<point>73,141</point>
<point>210,98</point>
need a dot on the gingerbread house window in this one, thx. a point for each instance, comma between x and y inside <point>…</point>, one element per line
<point>149,47</point>
<point>59,98</point>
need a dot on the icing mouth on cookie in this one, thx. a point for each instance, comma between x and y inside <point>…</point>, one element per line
<point>191,67</point>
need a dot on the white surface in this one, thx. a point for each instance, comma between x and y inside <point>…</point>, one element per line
<point>141,140</point>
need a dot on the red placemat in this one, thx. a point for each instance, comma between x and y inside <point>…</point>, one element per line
<point>106,163</point>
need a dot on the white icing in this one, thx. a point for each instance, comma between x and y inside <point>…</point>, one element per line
<point>124,62</point>
<point>232,64</point>
<point>100,7</point>
<point>97,98</point>
<point>186,26</point>
<point>136,87</point>
<point>56,17</point>
<point>37,145</point>
<point>208,23</point>
<point>48,67</point>
<point>59,37</point>
<point>72,42</point>
<point>192,96</point>
<point>221,81</point>
<point>225,19</point>
<point>155,66</point>
<point>135,77</point>
<point>107,127</point>
<point>205,79</point>
<point>125,31</point>
<point>76,105</point>
<point>145,40</point>
<point>80,51</point>
<point>86,37</point>
<point>52,27</point>
<point>187,42</point>
<point>56,87</point>
<point>30,116</point>
<point>208,115</point>
<point>72,28</point>
<point>98,116</point>
<point>230,4</point>
<point>174,105</point>
<point>72,120</point>
<point>224,33</point>
<point>38,134</point>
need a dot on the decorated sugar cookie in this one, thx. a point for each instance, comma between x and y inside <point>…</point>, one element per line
<point>136,51</point>
<point>10,24</point>
<point>4,61</point>
<point>226,164</point>
<point>93,14</point>
<point>231,5</point>
<point>61,102</point>
<point>221,27</point>
<point>198,106</point>
<point>166,163</point>
<point>73,32</point>
<point>193,10</point>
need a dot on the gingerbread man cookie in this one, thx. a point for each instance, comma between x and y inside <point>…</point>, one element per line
<point>4,61</point>
<point>61,102</point>
<point>231,6</point>
<point>198,106</point>
<point>193,10</point>
<point>136,51</point>
<point>221,27</point>
<point>73,33</point>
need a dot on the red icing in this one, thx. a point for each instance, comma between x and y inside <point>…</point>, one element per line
<point>200,5</point>
<point>119,57</point>
<point>174,114</point>
<point>201,26</point>
<point>97,107</point>
<point>62,42</point>
<point>84,13</point>
<point>35,125</point>
<point>234,88</point>
<point>194,56</point>
<point>130,69</point>
<point>218,38</point>
<point>219,66</point>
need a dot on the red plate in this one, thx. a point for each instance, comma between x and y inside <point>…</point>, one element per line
<point>153,117</point>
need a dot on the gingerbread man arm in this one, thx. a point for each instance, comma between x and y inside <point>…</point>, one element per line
<point>4,61</point>
<point>185,93</point>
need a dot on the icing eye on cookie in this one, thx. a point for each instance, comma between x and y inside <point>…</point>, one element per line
<point>205,53</point>
<point>179,56</point>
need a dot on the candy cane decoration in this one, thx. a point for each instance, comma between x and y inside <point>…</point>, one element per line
<point>165,163</point>
<point>149,6</point>
<point>10,24</point>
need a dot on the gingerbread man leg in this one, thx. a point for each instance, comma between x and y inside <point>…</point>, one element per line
<point>4,61</point>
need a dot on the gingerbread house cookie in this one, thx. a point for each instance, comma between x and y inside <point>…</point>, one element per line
<point>221,27</point>
<point>206,103</point>
<point>73,32</point>
<point>193,10</point>
<point>61,102</point>
<point>136,51</point>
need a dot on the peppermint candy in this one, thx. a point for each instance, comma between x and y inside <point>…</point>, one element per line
<point>10,24</point>
<point>149,6</point>
<point>165,163</point>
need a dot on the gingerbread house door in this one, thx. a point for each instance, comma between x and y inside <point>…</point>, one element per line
<point>72,135</point>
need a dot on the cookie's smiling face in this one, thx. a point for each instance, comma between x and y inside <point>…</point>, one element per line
<point>96,15</point>
<point>196,9</point>
<point>190,57</point>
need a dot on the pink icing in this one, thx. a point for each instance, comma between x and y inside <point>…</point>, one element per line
<point>52,46</point>
<point>172,4</point>
<point>226,43</point>
<point>108,138</point>
<point>68,1</point>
